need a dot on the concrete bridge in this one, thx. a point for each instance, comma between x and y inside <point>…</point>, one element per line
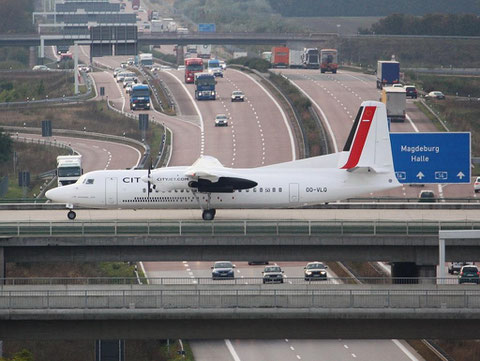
<point>327,311</point>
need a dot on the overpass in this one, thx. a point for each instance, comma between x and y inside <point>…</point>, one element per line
<point>149,311</point>
<point>172,38</point>
<point>252,240</point>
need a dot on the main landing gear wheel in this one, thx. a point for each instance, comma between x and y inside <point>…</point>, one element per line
<point>71,215</point>
<point>208,214</point>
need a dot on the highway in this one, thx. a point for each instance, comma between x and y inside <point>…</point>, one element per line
<point>339,97</point>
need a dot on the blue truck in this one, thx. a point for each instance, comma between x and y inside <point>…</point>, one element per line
<point>388,73</point>
<point>140,97</point>
<point>205,86</point>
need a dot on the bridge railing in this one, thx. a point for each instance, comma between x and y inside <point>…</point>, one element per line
<point>231,228</point>
<point>237,281</point>
<point>236,298</point>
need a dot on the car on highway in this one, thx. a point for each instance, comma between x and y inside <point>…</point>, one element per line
<point>238,96</point>
<point>272,274</point>
<point>411,91</point>
<point>128,88</point>
<point>181,67</point>
<point>84,68</point>
<point>221,120</point>
<point>476,185</point>
<point>315,271</point>
<point>427,196</point>
<point>223,270</point>
<point>435,95</point>
<point>40,68</point>
<point>123,64</point>
<point>469,274</point>
<point>129,80</point>
<point>455,267</point>
<point>130,61</point>
<point>116,71</point>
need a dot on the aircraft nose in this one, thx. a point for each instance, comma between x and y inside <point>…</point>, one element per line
<point>55,194</point>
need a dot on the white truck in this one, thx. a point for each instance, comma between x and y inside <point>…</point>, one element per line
<point>69,169</point>
<point>239,54</point>
<point>204,51</point>
<point>295,58</point>
<point>395,99</point>
<point>156,26</point>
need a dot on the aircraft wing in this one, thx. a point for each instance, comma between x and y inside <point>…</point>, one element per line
<point>206,167</point>
<point>209,175</point>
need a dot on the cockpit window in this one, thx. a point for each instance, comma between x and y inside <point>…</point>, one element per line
<point>88,181</point>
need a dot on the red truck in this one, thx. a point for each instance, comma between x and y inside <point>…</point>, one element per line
<point>280,57</point>
<point>192,66</point>
<point>135,4</point>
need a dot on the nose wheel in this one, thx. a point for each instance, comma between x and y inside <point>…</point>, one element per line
<point>71,215</point>
<point>208,214</point>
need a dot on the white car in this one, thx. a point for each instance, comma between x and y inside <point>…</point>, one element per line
<point>40,68</point>
<point>117,71</point>
<point>238,96</point>
<point>181,67</point>
<point>128,88</point>
<point>221,120</point>
<point>128,79</point>
<point>476,185</point>
<point>435,95</point>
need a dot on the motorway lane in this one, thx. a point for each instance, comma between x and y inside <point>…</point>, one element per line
<point>256,135</point>
<point>98,154</point>
<point>339,95</point>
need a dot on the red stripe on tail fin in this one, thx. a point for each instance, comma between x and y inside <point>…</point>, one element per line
<point>360,137</point>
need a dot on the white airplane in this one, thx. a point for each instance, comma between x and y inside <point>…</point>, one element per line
<point>365,165</point>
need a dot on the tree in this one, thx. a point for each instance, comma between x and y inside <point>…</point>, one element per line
<point>6,145</point>
<point>23,355</point>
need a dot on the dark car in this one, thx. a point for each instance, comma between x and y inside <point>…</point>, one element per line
<point>411,91</point>
<point>469,274</point>
<point>426,195</point>
<point>223,269</point>
<point>272,274</point>
<point>315,271</point>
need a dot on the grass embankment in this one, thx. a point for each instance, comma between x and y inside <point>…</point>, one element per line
<point>27,156</point>
<point>29,85</point>
<point>91,117</point>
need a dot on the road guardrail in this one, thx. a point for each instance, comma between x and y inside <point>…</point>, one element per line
<point>231,228</point>
<point>110,298</point>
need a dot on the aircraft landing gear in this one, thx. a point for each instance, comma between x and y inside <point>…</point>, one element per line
<point>208,214</point>
<point>71,215</point>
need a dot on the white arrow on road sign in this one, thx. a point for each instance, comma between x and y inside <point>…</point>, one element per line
<point>460,175</point>
<point>420,175</point>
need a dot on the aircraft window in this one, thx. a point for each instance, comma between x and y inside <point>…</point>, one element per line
<point>261,189</point>
<point>254,189</point>
<point>279,189</point>
<point>90,181</point>
<point>247,190</point>
<point>273,189</point>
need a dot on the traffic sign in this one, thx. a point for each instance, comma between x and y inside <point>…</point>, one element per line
<point>431,157</point>
<point>206,28</point>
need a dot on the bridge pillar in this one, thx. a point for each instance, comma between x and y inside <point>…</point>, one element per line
<point>33,56</point>
<point>3,265</point>
<point>180,59</point>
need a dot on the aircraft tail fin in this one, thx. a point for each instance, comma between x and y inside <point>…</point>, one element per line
<point>368,144</point>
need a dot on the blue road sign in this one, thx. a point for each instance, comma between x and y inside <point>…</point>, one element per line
<point>206,28</point>
<point>431,157</point>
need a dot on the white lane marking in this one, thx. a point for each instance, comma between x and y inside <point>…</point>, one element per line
<point>345,346</point>
<point>330,130</point>
<point>405,350</point>
<point>232,350</point>
<point>290,133</point>
<point>197,109</point>
<point>354,356</point>
<point>412,123</point>
<point>298,356</point>
<point>292,348</point>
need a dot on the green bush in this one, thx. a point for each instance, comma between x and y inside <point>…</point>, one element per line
<point>253,63</point>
